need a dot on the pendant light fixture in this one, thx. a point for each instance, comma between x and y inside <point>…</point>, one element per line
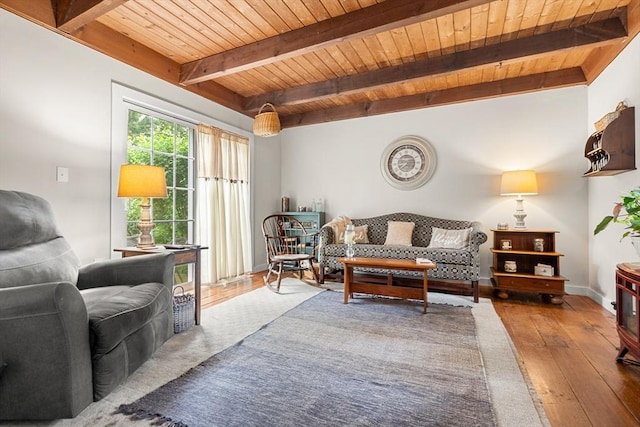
<point>266,123</point>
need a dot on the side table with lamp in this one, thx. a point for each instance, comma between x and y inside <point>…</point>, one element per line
<point>146,182</point>
<point>525,260</point>
<point>519,183</point>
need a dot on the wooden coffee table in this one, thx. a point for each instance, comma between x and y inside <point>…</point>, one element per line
<point>387,289</point>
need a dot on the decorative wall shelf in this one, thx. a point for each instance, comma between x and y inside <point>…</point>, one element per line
<point>613,150</point>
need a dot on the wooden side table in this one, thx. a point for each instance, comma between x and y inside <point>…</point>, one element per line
<point>183,255</point>
<point>523,274</point>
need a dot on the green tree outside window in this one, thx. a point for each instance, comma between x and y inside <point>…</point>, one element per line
<point>156,141</point>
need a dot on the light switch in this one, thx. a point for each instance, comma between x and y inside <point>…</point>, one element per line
<point>62,174</point>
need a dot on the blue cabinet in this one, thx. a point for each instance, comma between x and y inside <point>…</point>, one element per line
<point>311,221</point>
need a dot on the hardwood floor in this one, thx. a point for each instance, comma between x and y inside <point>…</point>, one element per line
<point>569,352</point>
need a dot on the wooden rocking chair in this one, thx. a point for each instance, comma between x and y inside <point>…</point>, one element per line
<point>289,248</point>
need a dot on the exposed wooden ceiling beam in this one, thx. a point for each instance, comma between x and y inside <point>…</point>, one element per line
<point>597,33</point>
<point>535,82</point>
<point>370,20</point>
<point>73,14</point>
<point>606,33</point>
<point>118,46</point>
<point>38,11</point>
<point>601,57</point>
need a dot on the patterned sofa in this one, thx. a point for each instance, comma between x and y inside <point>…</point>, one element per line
<point>458,265</point>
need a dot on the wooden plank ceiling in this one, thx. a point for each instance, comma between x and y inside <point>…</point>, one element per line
<point>324,60</point>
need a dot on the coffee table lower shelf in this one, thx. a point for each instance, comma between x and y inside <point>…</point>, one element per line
<point>388,289</point>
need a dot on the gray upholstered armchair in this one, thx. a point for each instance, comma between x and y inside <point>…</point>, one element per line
<point>69,334</point>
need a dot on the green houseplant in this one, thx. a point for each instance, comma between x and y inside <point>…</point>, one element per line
<point>630,217</point>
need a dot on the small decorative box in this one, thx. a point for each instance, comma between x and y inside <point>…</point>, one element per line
<point>543,270</point>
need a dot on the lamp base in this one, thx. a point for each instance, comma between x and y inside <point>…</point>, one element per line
<point>520,225</point>
<point>146,246</point>
<point>142,246</point>
<point>520,215</point>
<point>146,226</point>
<point>145,240</point>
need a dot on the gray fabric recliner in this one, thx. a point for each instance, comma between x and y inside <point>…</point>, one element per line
<point>69,334</point>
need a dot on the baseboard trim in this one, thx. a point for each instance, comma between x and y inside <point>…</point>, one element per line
<point>606,303</point>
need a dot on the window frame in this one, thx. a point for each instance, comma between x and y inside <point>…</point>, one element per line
<point>122,98</point>
<point>154,154</point>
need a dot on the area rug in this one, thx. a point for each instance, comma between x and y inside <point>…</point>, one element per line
<point>372,362</point>
<point>514,400</point>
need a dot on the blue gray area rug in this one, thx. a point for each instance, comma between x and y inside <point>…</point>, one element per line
<point>373,362</point>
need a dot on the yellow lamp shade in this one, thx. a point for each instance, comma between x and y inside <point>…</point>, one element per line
<point>142,181</point>
<point>518,183</point>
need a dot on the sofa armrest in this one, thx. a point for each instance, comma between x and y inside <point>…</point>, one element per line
<point>44,331</point>
<point>128,271</point>
<point>478,236</point>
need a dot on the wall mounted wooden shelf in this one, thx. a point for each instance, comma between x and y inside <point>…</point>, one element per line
<point>613,150</point>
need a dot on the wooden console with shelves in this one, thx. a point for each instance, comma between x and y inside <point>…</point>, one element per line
<point>521,251</point>
<point>627,305</point>
<point>613,150</point>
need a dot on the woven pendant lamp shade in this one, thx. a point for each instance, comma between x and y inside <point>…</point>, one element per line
<point>268,123</point>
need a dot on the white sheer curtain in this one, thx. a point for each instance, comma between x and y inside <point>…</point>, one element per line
<point>223,221</point>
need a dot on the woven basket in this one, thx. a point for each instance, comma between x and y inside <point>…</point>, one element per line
<point>266,124</point>
<point>609,117</point>
<point>184,310</point>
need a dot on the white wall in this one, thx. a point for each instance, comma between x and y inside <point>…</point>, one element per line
<point>55,100</point>
<point>266,192</point>
<point>55,110</point>
<point>475,142</point>
<point>619,82</point>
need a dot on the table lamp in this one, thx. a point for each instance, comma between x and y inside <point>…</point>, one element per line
<point>519,183</point>
<point>143,181</point>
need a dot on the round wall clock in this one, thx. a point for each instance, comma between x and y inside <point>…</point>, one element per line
<point>408,162</point>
